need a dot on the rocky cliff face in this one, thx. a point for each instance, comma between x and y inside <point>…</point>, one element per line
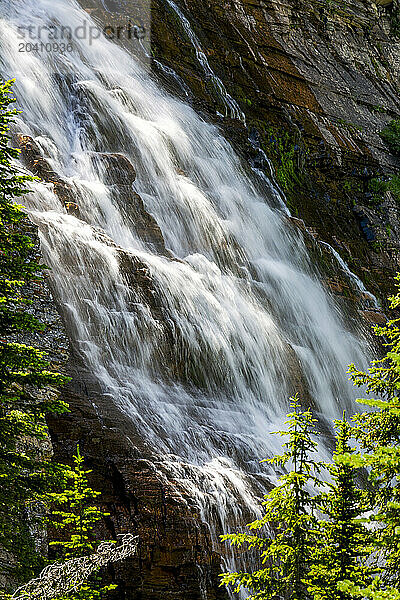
<point>317,81</point>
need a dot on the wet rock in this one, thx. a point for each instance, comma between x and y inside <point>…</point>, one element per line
<point>137,275</point>
<point>330,80</point>
<point>115,168</point>
<point>374,317</point>
<point>33,158</point>
<point>144,223</point>
<point>117,171</point>
<point>365,224</point>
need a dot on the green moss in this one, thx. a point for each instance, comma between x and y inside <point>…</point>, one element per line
<point>378,245</point>
<point>391,135</point>
<point>331,7</point>
<point>285,153</point>
<point>378,109</point>
<point>377,68</point>
<point>353,186</point>
<point>352,127</point>
<point>377,187</point>
<point>395,21</point>
<point>394,187</point>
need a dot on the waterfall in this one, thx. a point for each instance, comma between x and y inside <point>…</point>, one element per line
<point>352,276</point>
<point>200,331</point>
<point>232,109</point>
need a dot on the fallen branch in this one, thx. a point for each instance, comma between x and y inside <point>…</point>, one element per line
<point>58,579</point>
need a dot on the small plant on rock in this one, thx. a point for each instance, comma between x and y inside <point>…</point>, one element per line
<point>391,135</point>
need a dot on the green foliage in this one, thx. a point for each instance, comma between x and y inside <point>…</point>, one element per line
<point>75,515</point>
<point>353,548</point>
<point>24,473</point>
<point>377,108</point>
<point>391,135</point>
<point>395,19</point>
<point>289,511</point>
<point>343,544</point>
<point>373,591</point>
<point>378,433</point>
<point>73,512</point>
<point>378,186</point>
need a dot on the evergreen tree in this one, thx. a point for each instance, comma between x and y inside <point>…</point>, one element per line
<point>378,432</point>
<point>75,515</point>
<point>353,556</point>
<point>344,543</point>
<point>23,369</point>
<point>289,515</point>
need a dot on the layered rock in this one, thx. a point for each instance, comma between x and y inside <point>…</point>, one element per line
<point>39,166</point>
<point>317,81</point>
<point>118,173</point>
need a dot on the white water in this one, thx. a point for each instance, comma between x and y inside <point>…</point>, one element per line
<point>352,276</point>
<point>232,109</point>
<point>243,301</point>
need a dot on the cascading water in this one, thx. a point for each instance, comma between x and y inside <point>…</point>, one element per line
<point>232,108</point>
<point>246,316</point>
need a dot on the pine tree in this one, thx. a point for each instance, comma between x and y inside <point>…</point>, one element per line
<point>289,515</point>
<point>343,543</point>
<point>23,369</point>
<point>26,476</point>
<point>378,433</point>
<point>75,515</point>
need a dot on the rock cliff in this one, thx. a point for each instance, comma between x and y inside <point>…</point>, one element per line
<point>317,82</point>
<point>175,559</point>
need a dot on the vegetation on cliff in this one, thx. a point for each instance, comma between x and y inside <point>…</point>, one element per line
<point>74,513</point>
<point>289,552</point>
<point>391,135</point>
<point>25,375</point>
<point>34,490</point>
